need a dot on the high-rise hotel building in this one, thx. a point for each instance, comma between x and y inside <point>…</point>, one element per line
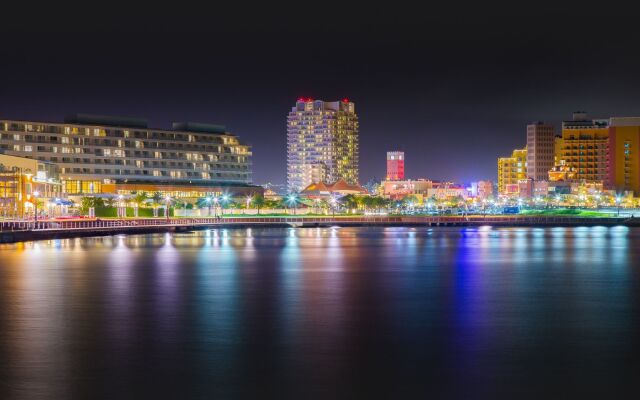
<point>584,147</point>
<point>96,152</point>
<point>602,151</point>
<point>322,143</point>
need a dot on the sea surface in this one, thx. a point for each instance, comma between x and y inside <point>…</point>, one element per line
<point>324,313</point>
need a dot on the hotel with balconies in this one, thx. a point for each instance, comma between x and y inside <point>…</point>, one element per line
<point>100,154</point>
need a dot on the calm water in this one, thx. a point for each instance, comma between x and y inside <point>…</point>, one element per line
<point>323,313</point>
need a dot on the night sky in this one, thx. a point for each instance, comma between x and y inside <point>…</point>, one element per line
<point>451,86</point>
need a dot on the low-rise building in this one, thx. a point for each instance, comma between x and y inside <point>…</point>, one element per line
<point>397,190</point>
<point>23,182</point>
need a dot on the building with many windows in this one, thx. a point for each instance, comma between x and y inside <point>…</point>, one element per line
<point>96,154</point>
<point>23,182</point>
<point>540,150</point>
<point>601,151</point>
<point>584,147</point>
<point>511,170</point>
<point>322,143</point>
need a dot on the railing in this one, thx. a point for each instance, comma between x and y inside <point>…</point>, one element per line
<point>121,224</point>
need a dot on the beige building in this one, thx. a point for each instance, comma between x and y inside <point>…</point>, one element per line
<point>93,151</point>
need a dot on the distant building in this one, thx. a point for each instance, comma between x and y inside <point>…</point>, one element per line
<point>399,189</point>
<point>512,169</point>
<point>540,150</point>
<point>447,190</point>
<point>395,165</point>
<point>484,189</point>
<point>322,143</point>
<point>339,188</point>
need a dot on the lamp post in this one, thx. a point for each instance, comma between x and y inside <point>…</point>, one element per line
<point>35,206</point>
<point>618,200</point>
<point>168,202</point>
<point>208,198</point>
<point>215,207</point>
<point>224,199</point>
<point>292,199</point>
<point>333,206</point>
<point>248,200</point>
<point>120,214</point>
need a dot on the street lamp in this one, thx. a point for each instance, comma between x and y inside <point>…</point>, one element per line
<point>215,207</point>
<point>618,200</point>
<point>248,201</point>
<point>224,199</point>
<point>208,199</point>
<point>168,200</point>
<point>35,205</point>
<point>120,213</point>
<point>292,199</point>
<point>334,202</point>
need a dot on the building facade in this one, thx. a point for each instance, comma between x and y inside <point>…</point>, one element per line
<point>623,155</point>
<point>601,151</point>
<point>395,165</point>
<point>400,189</point>
<point>322,143</point>
<point>512,169</point>
<point>23,182</point>
<point>540,150</point>
<point>584,147</point>
<point>92,151</point>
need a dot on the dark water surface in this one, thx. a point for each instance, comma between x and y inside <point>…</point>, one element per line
<point>324,313</point>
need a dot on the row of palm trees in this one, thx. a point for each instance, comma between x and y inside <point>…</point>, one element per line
<point>259,202</point>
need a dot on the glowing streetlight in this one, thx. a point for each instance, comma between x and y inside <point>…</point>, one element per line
<point>208,200</point>
<point>35,205</point>
<point>215,207</point>
<point>293,199</point>
<point>224,199</point>
<point>334,203</point>
<point>618,200</point>
<point>168,200</point>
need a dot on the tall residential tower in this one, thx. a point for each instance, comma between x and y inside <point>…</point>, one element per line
<point>322,143</point>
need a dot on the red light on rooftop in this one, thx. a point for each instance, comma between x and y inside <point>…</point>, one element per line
<point>345,100</point>
<point>301,99</point>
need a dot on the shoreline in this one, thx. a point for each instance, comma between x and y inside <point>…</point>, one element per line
<point>87,228</point>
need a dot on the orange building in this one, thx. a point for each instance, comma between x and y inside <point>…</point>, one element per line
<point>624,155</point>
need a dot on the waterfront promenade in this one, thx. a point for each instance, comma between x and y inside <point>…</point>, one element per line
<point>15,231</point>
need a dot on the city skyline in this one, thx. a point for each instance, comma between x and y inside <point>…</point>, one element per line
<point>417,88</point>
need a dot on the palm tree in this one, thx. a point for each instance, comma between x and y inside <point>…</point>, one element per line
<point>139,200</point>
<point>156,200</point>
<point>203,202</point>
<point>258,202</point>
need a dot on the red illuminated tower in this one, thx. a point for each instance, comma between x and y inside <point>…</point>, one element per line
<point>395,165</point>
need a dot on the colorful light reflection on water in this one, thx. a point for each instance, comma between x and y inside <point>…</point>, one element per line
<point>323,312</point>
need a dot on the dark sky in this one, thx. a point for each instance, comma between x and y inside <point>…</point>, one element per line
<point>452,86</point>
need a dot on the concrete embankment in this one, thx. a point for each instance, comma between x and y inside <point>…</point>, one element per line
<point>45,230</point>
